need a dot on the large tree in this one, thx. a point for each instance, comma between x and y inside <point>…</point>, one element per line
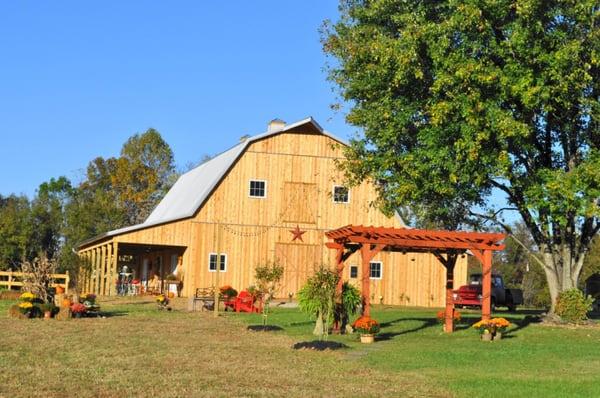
<point>15,231</point>
<point>458,99</point>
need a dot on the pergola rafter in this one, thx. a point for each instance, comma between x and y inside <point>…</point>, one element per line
<point>446,246</point>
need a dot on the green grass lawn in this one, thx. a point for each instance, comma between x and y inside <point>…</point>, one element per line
<point>531,360</point>
<point>140,351</point>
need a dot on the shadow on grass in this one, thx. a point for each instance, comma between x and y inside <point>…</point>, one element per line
<point>264,328</point>
<point>426,323</point>
<point>319,345</point>
<point>520,323</point>
<point>110,314</point>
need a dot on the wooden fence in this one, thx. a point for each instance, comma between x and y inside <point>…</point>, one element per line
<point>8,279</point>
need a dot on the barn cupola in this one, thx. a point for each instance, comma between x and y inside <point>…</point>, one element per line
<point>275,125</point>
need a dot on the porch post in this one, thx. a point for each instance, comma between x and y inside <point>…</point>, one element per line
<point>108,283</point>
<point>112,279</point>
<point>101,290</point>
<point>486,294</point>
<point>93,272</point>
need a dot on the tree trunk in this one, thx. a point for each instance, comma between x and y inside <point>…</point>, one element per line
<point>318,331</point>
<point>562,272</point>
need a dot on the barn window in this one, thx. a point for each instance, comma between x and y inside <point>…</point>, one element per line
<point>258,189</point>
<point>341,194</point>
<point>375,269</point>
<point>354,271</point>
<point>212,262</point>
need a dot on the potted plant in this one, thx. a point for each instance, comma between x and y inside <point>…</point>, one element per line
<point>485,329</point>
<point>47,309</point>
<point>500,325</point>
<point>228,292</point>
<point>26,308</point>
<point>367,327</point>
<point>26,305</point>
<point>78,310</point>
<point>163,302</point>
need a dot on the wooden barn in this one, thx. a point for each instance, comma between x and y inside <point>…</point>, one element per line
<point>271,197</point>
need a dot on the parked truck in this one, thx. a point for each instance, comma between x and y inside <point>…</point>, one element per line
<point>470,295</point>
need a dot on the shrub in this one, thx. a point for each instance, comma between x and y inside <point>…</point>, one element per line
<point>317,298</point>
<point>572,306</point>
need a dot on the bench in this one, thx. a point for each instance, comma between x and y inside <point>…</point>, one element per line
<point>205,296</point>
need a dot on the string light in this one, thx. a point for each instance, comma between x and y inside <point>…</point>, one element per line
<point>263,229</point>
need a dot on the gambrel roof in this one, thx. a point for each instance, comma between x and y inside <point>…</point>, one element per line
<point>193,188</point>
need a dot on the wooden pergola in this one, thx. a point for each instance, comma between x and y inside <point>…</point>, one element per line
<point>446,246</point>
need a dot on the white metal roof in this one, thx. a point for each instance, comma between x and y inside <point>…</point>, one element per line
<point>192,188</point>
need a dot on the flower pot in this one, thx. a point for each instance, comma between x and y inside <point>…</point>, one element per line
<point>486,336</point>
<point>498,336</point>
<point>47,314</point>
<point>367,338</point>
<point>77,315</point>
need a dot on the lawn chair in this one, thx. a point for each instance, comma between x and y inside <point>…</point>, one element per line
<point>244,302</point>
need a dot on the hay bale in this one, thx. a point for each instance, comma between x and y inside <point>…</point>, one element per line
<point>63,313</point>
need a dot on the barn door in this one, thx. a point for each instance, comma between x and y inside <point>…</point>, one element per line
<point>300,203</point>
<point>299,262</point>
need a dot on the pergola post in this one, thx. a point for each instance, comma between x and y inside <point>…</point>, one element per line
<point>367,253</point>
<point>449,312</point>
<point>485,258</point>
<point>449,262</point>
<point>486,293</point>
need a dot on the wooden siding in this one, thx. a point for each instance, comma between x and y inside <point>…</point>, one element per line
<point>301,171</point>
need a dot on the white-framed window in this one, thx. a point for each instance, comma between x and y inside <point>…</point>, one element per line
<point>257,189</point>
<point>375,269</point>
<point>341,194</point>
<point>354,271</point>
<point>212,262</point>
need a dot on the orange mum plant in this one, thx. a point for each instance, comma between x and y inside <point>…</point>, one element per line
<point>492,325</point>
<point>366,325</point>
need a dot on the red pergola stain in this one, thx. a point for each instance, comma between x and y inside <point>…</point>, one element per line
<point>445,245</point>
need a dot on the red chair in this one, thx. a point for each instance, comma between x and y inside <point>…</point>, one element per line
<point>244,302</point>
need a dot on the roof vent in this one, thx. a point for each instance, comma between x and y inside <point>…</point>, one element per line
<point>244,138</point>
<point>275,125</point>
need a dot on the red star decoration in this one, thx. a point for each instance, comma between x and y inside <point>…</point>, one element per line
<point>297,233</point>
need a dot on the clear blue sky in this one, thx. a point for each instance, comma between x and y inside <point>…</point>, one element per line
<point>78,78</point>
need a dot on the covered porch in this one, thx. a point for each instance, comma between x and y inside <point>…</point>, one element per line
<point>446,246</point>
<point>111,268</point>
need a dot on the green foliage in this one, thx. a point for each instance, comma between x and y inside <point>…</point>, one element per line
<point>351,299</point>
<point>267,278</point>
<point>591,264</point>
<point>572,306</point>
<point>16,231</point>
<point>317,298</point>
<point>458,99</point>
